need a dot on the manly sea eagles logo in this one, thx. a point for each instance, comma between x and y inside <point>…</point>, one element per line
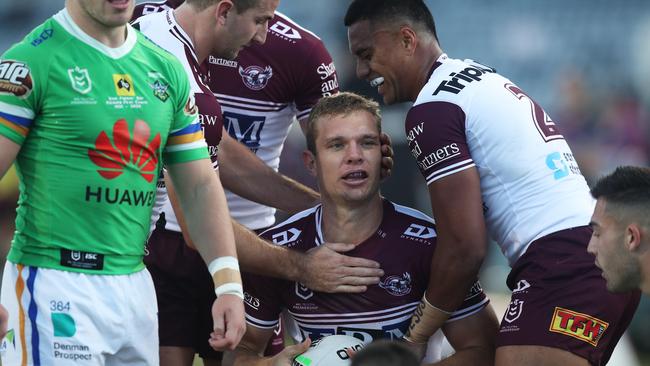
<point>254,77</point>
<point>397,285</point>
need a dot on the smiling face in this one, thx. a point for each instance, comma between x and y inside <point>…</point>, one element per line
<point>620,267</point>
<point>348,157</point>
<point>380,59</point>
<point>245,28</point>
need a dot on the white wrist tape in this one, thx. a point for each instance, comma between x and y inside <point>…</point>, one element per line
<point>226,277</point>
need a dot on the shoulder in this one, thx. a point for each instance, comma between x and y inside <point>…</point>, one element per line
<point>44,39</point>
<point>288,34</point>
<point>454,81</point>
<point>412,214</point>
<point>149,7</point>
<point>291,231</point>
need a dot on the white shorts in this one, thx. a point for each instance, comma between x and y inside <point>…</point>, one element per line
<point>68,318</point>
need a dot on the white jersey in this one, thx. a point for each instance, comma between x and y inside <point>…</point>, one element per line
<point>163,30</point>
<point>467,116</point>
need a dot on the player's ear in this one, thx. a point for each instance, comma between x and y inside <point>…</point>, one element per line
<point>633,237</point>
<point>309,160</point>
<point>222,11</point>
<point>408,39</point>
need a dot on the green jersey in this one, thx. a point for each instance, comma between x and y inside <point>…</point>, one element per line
<point>93,123</point>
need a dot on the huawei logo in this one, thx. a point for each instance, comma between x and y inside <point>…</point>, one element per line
<point>136,151</point>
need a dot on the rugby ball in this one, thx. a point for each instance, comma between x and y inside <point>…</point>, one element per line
<point>334,350</point>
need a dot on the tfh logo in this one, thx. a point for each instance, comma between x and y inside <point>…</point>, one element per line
<point>245,129</point>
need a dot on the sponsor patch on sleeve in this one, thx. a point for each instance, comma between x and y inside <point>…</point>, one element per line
<point>15,78</point>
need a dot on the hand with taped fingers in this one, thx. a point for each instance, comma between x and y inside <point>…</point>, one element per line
<point>387,154</point>
<point>325,269</point>
<point>229,322</point>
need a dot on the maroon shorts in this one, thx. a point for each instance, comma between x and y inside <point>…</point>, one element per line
<point>185,293</point>
<point>559,300</point>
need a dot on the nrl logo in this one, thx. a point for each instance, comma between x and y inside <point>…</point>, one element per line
<point>80,80</point>
<point>254,77</point>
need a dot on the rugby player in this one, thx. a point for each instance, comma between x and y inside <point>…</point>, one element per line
<point>88,108</point>
<point>183,285</point>
<point>622,228</point>
<point>495,163</point>
<point>344,154</point>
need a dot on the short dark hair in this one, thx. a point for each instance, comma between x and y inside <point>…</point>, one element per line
<point>385,353</point>
<point>338,104</point>
<point>628,187</point>
<point>386,11</point>
<point>240,5</point>
<point>627,184</point>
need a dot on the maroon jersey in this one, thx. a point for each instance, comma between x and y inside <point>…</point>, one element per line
<point>403,245</point>
<point>263,90</point>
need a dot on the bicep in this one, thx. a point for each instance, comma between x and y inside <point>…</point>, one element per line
<point>457,203</point>
<point>191,174</point>
<point>9,150</point>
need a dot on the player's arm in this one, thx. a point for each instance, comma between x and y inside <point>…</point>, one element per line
<point>245,174</point>
<point>9,150</point>
<point>472,339</point>
<point>461,246</point>
<point>250,351</point>
<point>204,203</point>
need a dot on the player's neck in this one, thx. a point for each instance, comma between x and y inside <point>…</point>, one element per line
<point>428,57</point>
<point>343,222</point>
<point>188,19</point>
<point>110,36</point>
<point>645,272</point>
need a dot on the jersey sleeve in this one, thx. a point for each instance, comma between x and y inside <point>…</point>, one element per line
<point>320,79</point>
<point>474,302</point>
<point>185,142</point>
<point>262,301</point>
<point>435,132</point>
<point>20,77</point>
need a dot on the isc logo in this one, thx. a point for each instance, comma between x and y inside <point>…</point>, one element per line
<point>577,325</point>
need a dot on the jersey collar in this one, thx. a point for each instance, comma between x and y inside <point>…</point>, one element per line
<point>64,18</point>
<point>438,62</point>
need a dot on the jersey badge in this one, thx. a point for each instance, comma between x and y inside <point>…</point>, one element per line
<point>112,156</point>
<point>80,80</point>
<point>15,78</point>
<point>397,285</point>
<point>303,291</point>
<point>158,85</point>
<point>577,325</point>
<point>514,310</point>
<point>255,77</point>
<point>124,85</point>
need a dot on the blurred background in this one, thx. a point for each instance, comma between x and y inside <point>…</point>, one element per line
<point>585,61</point>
